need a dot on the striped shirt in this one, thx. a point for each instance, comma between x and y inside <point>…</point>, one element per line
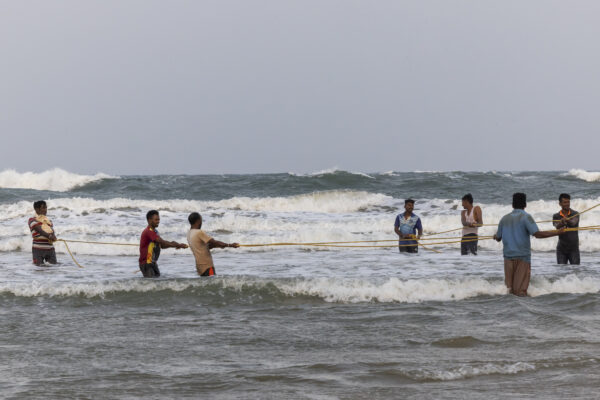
<point>39,241</point>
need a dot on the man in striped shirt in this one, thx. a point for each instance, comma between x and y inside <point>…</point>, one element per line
<point>42,232</point>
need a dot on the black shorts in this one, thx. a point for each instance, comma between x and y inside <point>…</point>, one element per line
<point>469,244</point>
<point>572,257</point>
<point>150,270</point>
<point>41,255</point>
<point>409,249</point>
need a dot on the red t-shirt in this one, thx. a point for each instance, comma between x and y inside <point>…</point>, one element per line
<point>149,247</point>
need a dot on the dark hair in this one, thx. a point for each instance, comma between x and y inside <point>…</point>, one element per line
<point>468,197</point>
<point>409,201</point>
<point>564,196</point>
<point>38,204</point>
<point>194,217</point>
<point>151,214</point>
<point>519,200</point>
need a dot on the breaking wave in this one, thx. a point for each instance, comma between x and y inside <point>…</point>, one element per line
<point>315,217</point>
<point>585,175</point>
<point>331,172</point>
<point>328,289</point>
<point>57,180</point>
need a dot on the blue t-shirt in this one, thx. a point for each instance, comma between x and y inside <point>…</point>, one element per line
<point>408,226</point>
<point>515,230</point>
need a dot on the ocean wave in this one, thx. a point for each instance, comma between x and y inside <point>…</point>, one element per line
<point>57,180</point>
<point>334,201</point>
<point>328,289</point>
<point>330,171</point>
<point>585,175</point>
<point>317,217</point>
<point>389,173</point>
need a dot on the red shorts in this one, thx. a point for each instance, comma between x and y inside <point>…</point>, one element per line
<point>209,272</point>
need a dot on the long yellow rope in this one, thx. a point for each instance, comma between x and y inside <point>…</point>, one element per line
<point>441,241</point>
<point>69,250</point>
<point>351,243</point>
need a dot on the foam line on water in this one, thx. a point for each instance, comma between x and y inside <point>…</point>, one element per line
<point>470,371</point>
<point>390,290</point>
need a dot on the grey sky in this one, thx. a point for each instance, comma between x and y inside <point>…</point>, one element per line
<point>146,87</point>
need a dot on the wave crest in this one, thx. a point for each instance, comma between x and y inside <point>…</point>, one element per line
<point>57,180</point>
<point>391,290</point>
<point>585,175</point>
<point>335,171</point>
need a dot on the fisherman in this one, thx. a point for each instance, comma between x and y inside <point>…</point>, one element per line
<point>150,245</point>
<point>201,243</point>
<point>567,249</point>
<point>406,226</point>
<point>42,232</point>
<point>471,218</point>
<point>514,230</point>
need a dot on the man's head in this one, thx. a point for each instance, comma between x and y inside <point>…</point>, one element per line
<point>519,201</point>
<point>195,220</point>
<point>40,207</point>
<point>153,218</point>
<point>409,205</point>
<point>467,201</point>
<point>565,201</point>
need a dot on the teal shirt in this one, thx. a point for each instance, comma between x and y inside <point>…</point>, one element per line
<point>515,230</point>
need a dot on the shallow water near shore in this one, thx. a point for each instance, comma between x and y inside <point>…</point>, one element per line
<point>295,322</point>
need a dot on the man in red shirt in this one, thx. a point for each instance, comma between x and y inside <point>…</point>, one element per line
<point>150,245</point>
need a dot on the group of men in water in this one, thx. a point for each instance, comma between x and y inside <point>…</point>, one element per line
<point>514,230</point>
<point>198,241</point>
<point>42,232</point>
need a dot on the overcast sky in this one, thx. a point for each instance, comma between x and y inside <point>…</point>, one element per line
<point>148,87</point>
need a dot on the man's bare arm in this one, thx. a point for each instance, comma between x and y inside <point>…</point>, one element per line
<point>572,222</point>
<point>463,218</point>
<point>38,229</point>
<point>478,216</point>
<point>397,230</point>
<point>212,243</point>
<point>547,234</point>
<point>165,244</point>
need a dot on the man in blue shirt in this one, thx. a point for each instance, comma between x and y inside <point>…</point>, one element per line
<point>514,230</point>
<point>406,226</point>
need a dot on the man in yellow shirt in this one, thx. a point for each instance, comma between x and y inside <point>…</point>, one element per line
<point>201,243</point>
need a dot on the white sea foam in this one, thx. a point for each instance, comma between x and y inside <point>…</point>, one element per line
<point>390,173</point>
<point>585,175</point>
<point>469,371</point>
<point>333,289</point>
<point>55,179</point>
<point>392,290</point>
<point>566,284</point>
<point>335,201</point>
<point>317,217</point>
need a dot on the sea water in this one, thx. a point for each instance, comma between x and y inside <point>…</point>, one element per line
<point>293,322</point>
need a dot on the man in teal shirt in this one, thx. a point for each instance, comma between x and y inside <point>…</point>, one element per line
<point>515,230</point>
